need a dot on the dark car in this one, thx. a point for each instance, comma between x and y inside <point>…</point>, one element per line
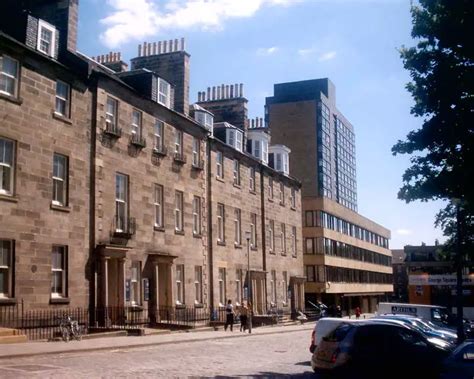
<point>460,364</point>
<point>379,349</point>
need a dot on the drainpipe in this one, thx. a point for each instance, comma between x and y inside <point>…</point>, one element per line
<point>210,258</point>
<point>92,201</point>
<point>264,235</point>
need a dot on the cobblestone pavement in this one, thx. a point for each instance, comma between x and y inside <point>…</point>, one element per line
<point>260,356</point>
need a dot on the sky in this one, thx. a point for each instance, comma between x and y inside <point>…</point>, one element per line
<point>262,42</point>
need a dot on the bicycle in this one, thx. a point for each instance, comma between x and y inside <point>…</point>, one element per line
<point>70,328</point>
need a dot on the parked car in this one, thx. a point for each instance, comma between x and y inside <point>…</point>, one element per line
<point>323,327</point>
<point>460,364</point>
<point>368,348</point>
<point>424,327</point>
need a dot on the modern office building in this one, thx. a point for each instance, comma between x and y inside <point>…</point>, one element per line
<point>347,258</point>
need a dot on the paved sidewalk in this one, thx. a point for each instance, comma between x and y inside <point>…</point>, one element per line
<point>43,348</point>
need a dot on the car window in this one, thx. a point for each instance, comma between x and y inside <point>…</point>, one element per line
<point>468,353</point>
<point>409,337</point>
<point>370,336</point>
<point>339,333</point>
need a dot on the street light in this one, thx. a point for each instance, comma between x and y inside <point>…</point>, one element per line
<point>248,236</point>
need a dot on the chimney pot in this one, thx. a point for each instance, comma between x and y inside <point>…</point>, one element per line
<point>226,91</point>
<point>119,56</point>
<point>171,46</point>
<point>182,44</point>
<point>176,46</point>
<point>154,48</point>
<point>241,90</point>
<point>222,91</point>
<point>208,93</point>
<point>261,122</point>
<point>139,50</point>
<point>165,43</point>
<point>218,93</point>
<point>145,53</point>
<point>231,94</point>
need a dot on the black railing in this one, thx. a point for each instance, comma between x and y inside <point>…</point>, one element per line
<point>124,227</point>
<point>160,150</point>
<point>179,157</point>
<point>199,165</point>
<point>112,130</point>
<point>39,324</point>
<point>137,140</point>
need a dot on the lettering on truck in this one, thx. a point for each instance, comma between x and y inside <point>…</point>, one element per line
<point>405,310</point>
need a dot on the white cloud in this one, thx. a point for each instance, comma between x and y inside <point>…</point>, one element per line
<point>136,19</point>
<point>305,52</point>
<point>404,232</point>
<point>267,50</point>
<point>327,56</point>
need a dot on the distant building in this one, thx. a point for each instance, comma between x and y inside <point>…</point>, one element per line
<point>400,276</point>
<point>347,258</point>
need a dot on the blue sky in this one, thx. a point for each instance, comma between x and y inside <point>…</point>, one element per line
<point>263,42</point>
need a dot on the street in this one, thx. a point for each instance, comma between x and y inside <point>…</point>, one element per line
<point>274,355</point>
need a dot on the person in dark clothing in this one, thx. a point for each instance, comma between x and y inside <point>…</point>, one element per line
<point>229,316</point>
<point>243,317</point>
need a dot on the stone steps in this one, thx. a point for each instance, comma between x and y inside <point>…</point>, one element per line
<point>11,336</point>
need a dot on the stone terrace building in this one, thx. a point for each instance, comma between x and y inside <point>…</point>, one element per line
<point>243,203</point>
<point>111,194</point>
<point>44,157</point>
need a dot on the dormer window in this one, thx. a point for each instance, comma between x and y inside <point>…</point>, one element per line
<point>46,38</point>
<point>164,93</point>
<point>234,138</point>
<point>205,119</point>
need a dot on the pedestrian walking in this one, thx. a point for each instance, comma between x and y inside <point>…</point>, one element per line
<point>243,317</point>
<point>229,316</point>
<point>357,312</point>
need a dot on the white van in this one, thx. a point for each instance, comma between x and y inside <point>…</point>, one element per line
<point>434,313</point>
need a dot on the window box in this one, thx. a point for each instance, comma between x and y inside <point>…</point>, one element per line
<point>179,157</point>
<point>59,300</point>
<point>124,227</point>
<point>112,130</point>
<point>160,151</point>
<point>137,141</point>
<point>198,165</point>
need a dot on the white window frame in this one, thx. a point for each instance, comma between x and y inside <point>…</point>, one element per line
<point>121,202</point>
<point>197,285</point>
<point>222,286</point>
<point>220,223</point>
<point>283,238</point>
<point>60,195</point>
<point>178,142</point>
<point>237,227</point>
<point>293,241</point>
<point>9,76</point>
<point>238,140</point>
<point>7,261</point>
<point>178,210</point>
<point>282,193</point>
<point>253,230</point>
<point>61,271</point>
<point>271,236</point>
<point>236,172</point>
<point>45,25</point>
<point>293,198</point>
<point>257,148</point>
<point>135,283</point>
<point>219,165</point>
<point>180,284</point>
<point>7,167</point>
<point>238,286</point>
<point>137,124</point>
<point>273,285</point>
<point>197,215</point>
<point>231,137</point>
<point>158,205</point>
<point>164,93</point>
<point>252,178</point>
<point>111,114</point>
<point>159,131</point>
<point>63,100</point>
<point>196,151</point>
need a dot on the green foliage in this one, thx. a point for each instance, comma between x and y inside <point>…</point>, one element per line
<point>441,67</point>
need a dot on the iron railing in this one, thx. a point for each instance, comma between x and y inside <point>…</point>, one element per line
<point>113,130</point>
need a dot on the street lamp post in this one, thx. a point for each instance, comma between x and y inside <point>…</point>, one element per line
<point>248,235</point>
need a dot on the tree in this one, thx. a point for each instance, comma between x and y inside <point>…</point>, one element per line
<point>441,67</point>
